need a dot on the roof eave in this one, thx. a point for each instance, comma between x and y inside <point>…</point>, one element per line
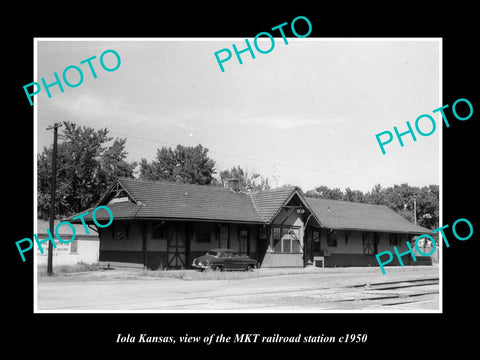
<point>153,218</point>
<point>410,232</point>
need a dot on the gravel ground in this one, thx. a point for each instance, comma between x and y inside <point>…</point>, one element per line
<point>265,290</point>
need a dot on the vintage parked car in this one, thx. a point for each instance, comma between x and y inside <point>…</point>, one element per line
<point>224,259</point>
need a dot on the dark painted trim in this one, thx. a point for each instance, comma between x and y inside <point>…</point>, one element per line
<point>346,260</point>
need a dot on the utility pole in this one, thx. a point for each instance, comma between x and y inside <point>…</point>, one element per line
<point>52,194</point>
<point>415,209</point>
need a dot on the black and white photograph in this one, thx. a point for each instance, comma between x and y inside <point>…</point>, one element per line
<point>237,190</point>
<point>243,182</point>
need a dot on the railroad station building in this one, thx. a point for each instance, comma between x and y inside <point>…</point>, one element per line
<point>166,225</point>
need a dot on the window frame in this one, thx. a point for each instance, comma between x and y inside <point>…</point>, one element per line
<point>243,241</point>
<point>316,240</point>
<point>120,230</point>
<point>286,237</point>
<point>220,234</point>
<point>332,238</point>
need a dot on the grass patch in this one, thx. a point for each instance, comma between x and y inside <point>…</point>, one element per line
<point>197,275</point>
<point>86,272</point>
<point>67,269</point>
<point>94,272</point>
<point>224,275</point>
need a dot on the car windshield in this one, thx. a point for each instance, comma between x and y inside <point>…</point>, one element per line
<point>213,253</point>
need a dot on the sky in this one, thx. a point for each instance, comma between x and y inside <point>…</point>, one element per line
<point>305,114</point>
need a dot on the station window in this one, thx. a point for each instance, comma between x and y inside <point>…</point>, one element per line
<point>243,241</point>
<point>223,237</point>
<point>120,230</point>
<point>332,238</point>
<point>316,241</point>
<point>286,239</point>
<point>277,233</point>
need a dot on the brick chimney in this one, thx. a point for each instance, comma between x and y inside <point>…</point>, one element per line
<point>233,184</point>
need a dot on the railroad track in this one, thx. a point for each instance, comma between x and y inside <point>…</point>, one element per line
<point>371,294</point>
<point>409,291</point>
<point>400,283</point>
<point>358,296</point>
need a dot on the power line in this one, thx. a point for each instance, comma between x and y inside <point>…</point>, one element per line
<point>55,127</point>
<point>273,163</point>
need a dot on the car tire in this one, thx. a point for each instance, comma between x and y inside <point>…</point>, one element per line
<point>249,267</point>
<point>218,267</point>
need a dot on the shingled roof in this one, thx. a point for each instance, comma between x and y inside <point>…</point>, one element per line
<point>269,202</point>
<point>344,215</point>
<point>176,201</point>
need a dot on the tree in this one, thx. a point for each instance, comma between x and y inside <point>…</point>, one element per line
<point>253,182</point>
<point>428,207</point>
<point>376,196</point>
<point>184,164</point>
<point>86,166</point>
<point>400,197</point>
<point>325,192</point>
<point>354,195</point>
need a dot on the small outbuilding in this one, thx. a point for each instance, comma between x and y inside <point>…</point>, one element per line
<point>83,249</point>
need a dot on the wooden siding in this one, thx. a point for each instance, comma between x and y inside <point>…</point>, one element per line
<point>286,217</point>
<point>111,238</point>
<point>282,260</point>
<point>354,244</point>
<point>133,242</point>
